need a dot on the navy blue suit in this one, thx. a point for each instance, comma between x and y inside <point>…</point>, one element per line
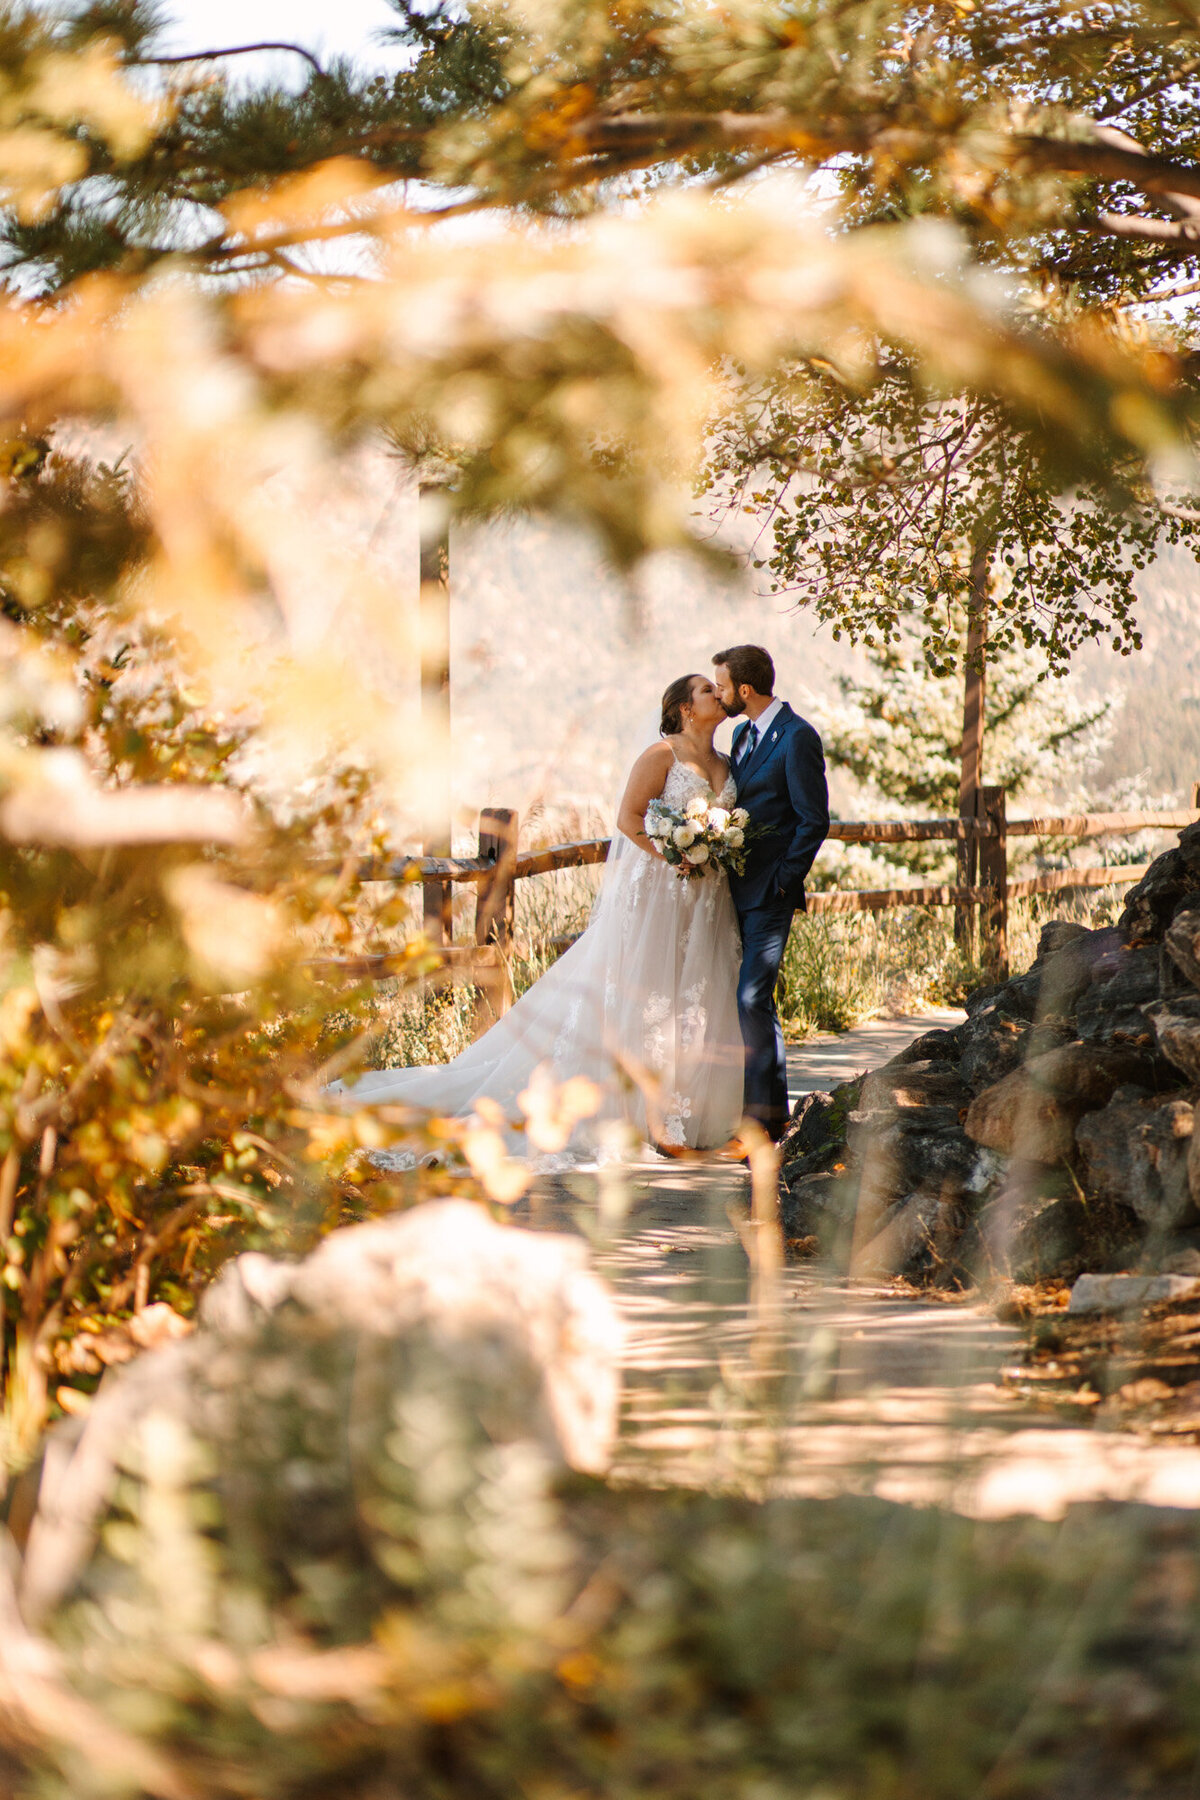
<point>782,786</point>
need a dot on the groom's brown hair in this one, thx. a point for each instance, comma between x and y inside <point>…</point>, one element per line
<point>749,666</point>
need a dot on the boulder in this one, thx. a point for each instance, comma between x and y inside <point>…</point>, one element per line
<point>820,1206</point>
<point>1092,1049</point>
<point>1113,1010</point>
<point>1033,1112</point>
<point>912,1086</point>
<point>1027,1235</point>
<point>437,1322</point>
<point>907,1151</point>
<point>993,1044</point>
<point>932,1046</point>
<point>1135,1152</point>
<point>1182,943</point>
<point>1070,964</point>
<point>1177,1028</point>
<point>916,1241</point>
<point>1018,1116</point>
<point>1124,1293</point>
<point>814,1125</point>
<point>1170,886</point>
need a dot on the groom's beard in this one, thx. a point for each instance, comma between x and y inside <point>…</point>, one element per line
<point>733,708</point>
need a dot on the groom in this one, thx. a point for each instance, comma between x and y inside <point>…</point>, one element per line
<point>779,768</point>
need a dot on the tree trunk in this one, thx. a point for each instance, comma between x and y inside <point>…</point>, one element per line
<point>974,694</point>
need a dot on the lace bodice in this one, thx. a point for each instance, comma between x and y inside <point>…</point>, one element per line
<point>683,784</point>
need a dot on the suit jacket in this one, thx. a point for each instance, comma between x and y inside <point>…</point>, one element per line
<point>784,790</point>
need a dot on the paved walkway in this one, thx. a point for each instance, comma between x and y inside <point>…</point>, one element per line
<point>820,1063</point>
<point>832,1386</point>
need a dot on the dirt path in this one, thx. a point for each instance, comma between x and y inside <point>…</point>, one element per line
<point>833,1386</point>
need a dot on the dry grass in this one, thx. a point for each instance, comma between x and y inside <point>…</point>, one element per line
<point>841,971</point>
<point>837,972</point>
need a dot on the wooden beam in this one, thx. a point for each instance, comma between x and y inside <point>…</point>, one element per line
<point>1086,825</point>
<point>1058,879</point>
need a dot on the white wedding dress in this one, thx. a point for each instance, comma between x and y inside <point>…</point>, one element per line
<point>653,981</point>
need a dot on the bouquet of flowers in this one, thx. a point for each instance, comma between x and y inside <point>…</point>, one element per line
<point>700,836</point>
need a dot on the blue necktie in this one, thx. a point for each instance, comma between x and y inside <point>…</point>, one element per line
<point>747,746</point>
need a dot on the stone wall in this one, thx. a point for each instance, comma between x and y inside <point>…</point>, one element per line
<point>1052,1132</point>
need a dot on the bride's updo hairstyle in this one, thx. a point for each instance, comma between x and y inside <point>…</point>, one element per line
<point>673,703</point>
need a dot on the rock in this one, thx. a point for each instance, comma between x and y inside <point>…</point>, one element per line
<point>1090,1048</point>
<point>1071,965</point>
<point>1177,1028</point>
<point>1027,1234</point>
<point>1182,1262</point>
<point>1182,943</point>
<point>1090,1076</point>
<point>917,1241</point>
<point>1033,1112</point>
<point>812,1126</point>
<point>932,1046</point>
<point>1121,1293</point>
<point>1112,1011</point>
<point>993,1045</point>
<point>820,1206</point>
<point>1171,885</point>
<point>1136,1153</point>
<point>922,1151</point>
<point>1056,933</point>
<point>1018,1116</point>
<point>914,1085</point>
<point>503,1336</point>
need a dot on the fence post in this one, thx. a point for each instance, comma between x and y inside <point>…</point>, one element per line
<point>971,749</point>
<point>434,619</point>
<point>993,875</point>
<point>495,911</point>
<point>967,874</point>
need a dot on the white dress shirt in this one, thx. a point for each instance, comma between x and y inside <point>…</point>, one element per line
<point>762,724</point>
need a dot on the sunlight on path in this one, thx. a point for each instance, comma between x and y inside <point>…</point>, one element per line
<point>838,1387</point>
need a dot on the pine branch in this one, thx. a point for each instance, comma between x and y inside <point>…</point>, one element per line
<point>1184,232</point>
<point>233,50</point>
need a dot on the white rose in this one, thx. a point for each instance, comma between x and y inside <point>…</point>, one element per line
<point>683,835</point>
<point>734,837</point>
<point>696,808</point>
<point>739,816</point>
<point>718,818</point>
<point>697,854</point>
<point>656,825</point>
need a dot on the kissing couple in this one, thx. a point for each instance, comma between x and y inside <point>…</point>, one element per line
<point>674,979</point>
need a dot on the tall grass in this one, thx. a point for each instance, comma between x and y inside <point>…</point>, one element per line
<point>840,971</point>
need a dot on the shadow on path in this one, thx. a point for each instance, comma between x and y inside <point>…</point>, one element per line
<point>831,1386</point>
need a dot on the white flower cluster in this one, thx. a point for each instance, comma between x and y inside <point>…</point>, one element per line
<point>702,833</point>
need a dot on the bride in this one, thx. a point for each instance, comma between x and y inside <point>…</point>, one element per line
<point>650,986</point>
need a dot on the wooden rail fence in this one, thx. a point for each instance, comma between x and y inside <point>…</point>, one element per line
<point>498,865</point>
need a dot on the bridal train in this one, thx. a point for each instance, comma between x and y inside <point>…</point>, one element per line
<point>651,983</point>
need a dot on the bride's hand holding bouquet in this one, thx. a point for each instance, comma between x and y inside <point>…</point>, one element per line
<point>699,836</point>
